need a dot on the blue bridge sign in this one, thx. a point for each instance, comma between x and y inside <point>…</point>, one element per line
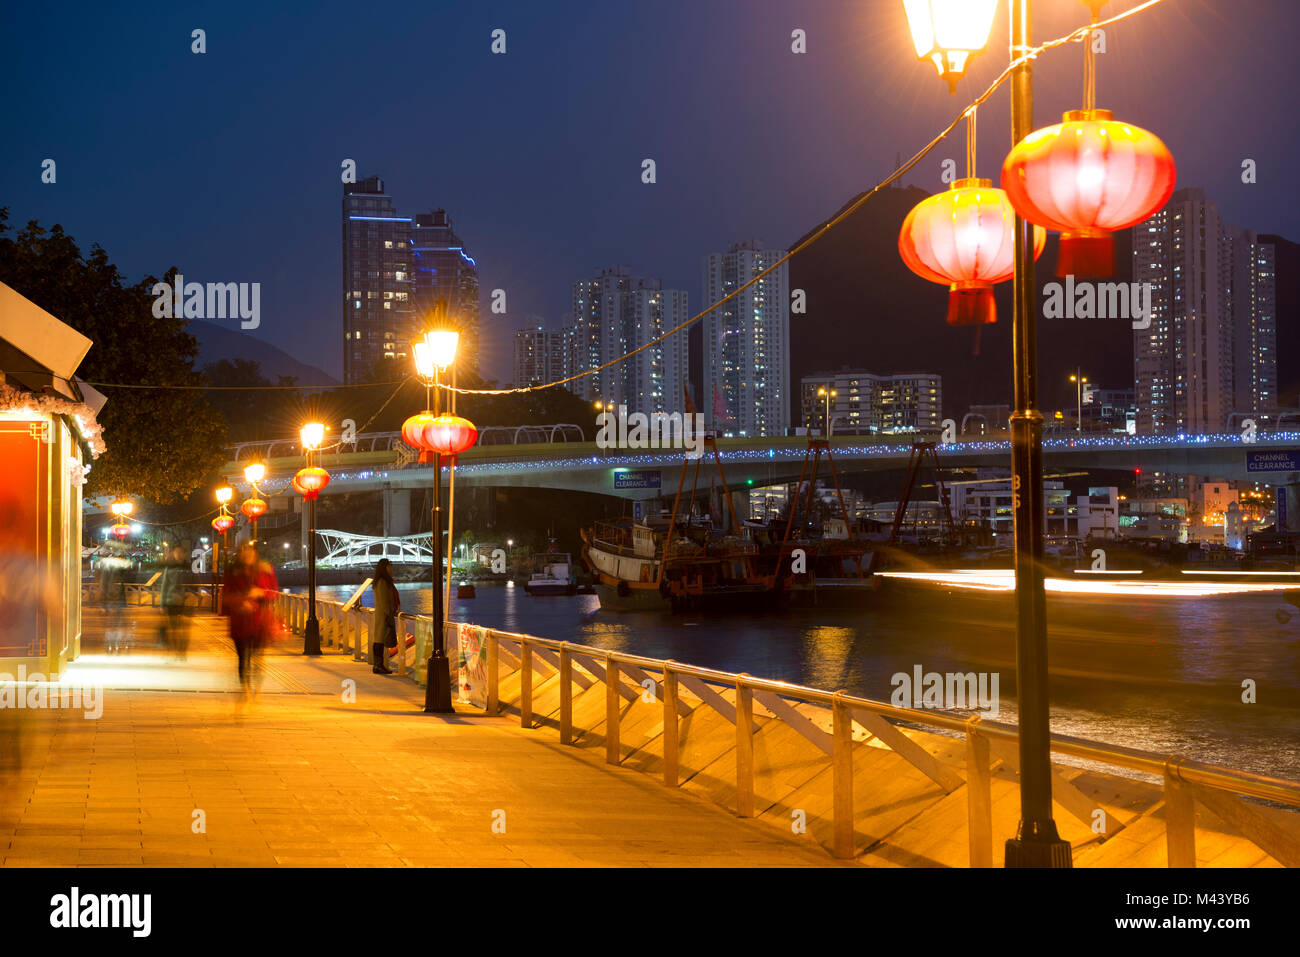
<point>633,479</point>
<point>1273,461</point>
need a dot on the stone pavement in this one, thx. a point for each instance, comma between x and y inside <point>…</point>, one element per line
<point>178,771</point>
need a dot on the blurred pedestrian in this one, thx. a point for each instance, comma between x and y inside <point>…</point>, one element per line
<point>171,595</point>
<point>247,592</point>
<point>383,629</point>
<point>112,595</point>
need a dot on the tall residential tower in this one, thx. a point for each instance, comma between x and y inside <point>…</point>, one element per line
<point>747,343</point>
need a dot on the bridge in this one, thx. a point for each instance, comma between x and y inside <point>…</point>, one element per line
<point>387,465</point>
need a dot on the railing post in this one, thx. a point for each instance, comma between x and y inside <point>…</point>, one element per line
<point>842,775</point>
<point>566,694</point>
<point>525,684</point>
<point>671,728</point>
<point>744,748</point>
<point>612,708</point>
<point>494,692</point>
<point>1180,818</point>
<point>979,797</point>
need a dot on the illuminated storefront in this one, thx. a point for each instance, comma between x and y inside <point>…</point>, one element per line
<point>48,436</point>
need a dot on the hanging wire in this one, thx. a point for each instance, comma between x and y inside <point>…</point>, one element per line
<point>1074,36</point>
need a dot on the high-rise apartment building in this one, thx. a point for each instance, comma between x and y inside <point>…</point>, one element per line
<point>394,268</point>
<point>747,343</point>
<point>614,313</point>
<point>377,280</point>
<point>860,402</point>
<point>1254,322</point>
<point>539,356</point>
<point>445,271</point>
<point>1211,348</point>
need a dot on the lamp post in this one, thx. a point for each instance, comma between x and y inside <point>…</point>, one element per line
<point>311,480</point>
<point>827,395</point>
<point>253,507</point>
<point>1079,378</point>
<point>948,35</point>
<point>432,354</point>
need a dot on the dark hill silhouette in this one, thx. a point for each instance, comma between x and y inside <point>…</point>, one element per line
<point>867,310</point>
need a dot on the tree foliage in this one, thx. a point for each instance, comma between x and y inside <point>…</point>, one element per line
<point>162,443</point>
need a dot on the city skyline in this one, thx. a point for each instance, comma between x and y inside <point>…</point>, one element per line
<point>823,162</point>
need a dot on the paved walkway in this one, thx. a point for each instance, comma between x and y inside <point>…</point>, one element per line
<point>177,771</point>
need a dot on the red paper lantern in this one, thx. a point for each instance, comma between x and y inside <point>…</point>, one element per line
<point>445,434</point>
<point>254,508</point>
<point>223,523</point>
<point>310,481</point>
<point>964,238</point>
<point>1086,177</point>
<point>121,529</point>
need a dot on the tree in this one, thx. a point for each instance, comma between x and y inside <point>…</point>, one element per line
<point>162,442</point>
<point>251,410</point>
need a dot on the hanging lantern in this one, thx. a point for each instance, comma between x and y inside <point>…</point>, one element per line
<point>253,508</point>
<point>223,523</point>
<point>310,481</point>
<point>964,238</point>
<point>451,434</point>
<point>445,434</point>
<point>1086,177</point>
<point>121,529</point>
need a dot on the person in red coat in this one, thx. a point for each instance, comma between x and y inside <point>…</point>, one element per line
<point>246,595</point>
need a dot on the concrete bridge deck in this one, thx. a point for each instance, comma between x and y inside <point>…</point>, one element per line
<point>299,777</point>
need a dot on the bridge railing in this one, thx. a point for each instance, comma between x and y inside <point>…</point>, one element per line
<point>627,702</point>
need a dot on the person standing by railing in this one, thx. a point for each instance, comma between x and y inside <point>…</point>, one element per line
<point>247,595</point>
<point>383,627</point>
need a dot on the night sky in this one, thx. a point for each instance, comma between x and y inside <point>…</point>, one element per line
<point>227,164</point>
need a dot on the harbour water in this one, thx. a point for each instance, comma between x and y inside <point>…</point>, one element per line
<point>1161,674</point>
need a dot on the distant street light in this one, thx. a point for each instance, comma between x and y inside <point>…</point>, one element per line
<point>1080,379</point>
<point>309,481</point>
<point>254,507</point>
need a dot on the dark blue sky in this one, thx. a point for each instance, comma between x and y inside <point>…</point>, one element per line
<point>227,164</point>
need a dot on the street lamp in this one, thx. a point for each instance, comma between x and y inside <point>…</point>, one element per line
<point>254,507</point>
<point>309,481</point>
<point>433,354</point>
<point>948,33</point>
<point>827,395</point>
<point>1080,379</point>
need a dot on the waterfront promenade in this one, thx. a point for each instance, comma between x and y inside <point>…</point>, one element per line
<point>301,777</point>
<point>333,766</point>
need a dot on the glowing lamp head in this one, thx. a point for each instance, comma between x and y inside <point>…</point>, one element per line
<point>121,508</point>
<point>949,32</point>
<point>435,352</point>
<point>312,435</point>
<point>254,472</point>
<point>225,494</point>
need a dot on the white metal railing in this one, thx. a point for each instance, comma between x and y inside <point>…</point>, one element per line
<point>194,595</point>
<point>682,690</point>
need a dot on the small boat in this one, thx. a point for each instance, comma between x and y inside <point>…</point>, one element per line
<point>554,576</point>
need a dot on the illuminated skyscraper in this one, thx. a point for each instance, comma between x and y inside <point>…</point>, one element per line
<point>377,282</point>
